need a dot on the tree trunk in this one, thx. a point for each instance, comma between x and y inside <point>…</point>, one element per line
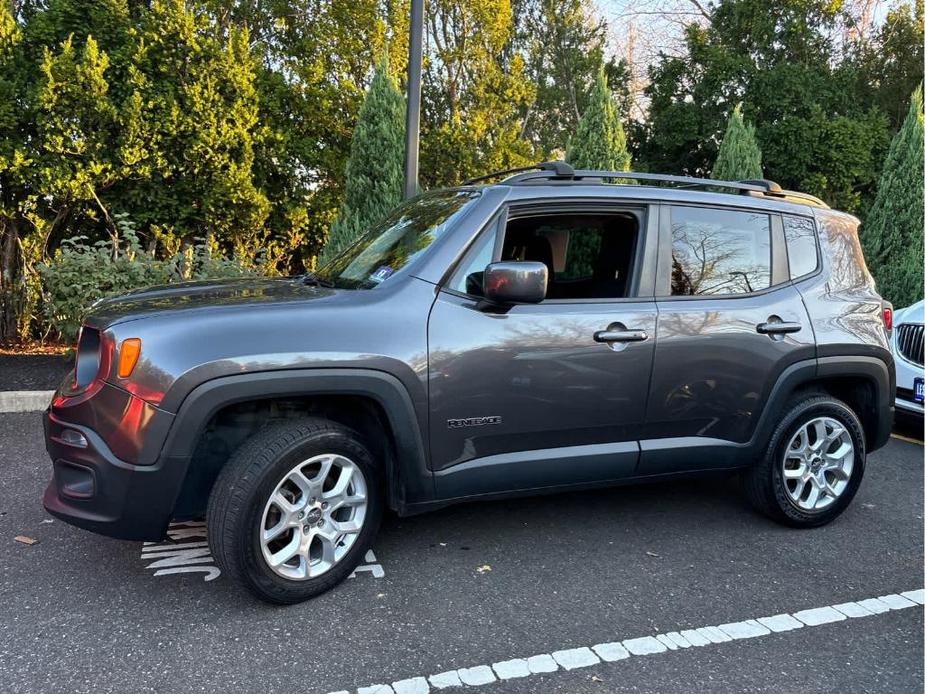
<point>11,280</point>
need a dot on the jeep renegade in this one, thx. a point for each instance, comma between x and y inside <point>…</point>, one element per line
<point>559,330</point>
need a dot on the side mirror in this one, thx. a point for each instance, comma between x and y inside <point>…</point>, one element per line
<point>513,282</point>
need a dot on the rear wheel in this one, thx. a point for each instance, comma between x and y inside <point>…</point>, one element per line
<point>295,509</point>
<point>814,465</point>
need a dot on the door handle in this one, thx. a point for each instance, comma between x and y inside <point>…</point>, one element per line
<point>778,328</point>
<point>620,336</point>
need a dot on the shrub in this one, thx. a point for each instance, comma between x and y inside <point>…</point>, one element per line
<point>81,273</point>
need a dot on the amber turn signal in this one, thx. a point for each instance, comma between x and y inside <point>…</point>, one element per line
<point>129,352</point>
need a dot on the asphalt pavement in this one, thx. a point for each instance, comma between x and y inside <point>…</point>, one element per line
<point>33,371</point>
<point>475,585</point>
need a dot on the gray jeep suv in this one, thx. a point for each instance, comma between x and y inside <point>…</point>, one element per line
<point>558,330</point>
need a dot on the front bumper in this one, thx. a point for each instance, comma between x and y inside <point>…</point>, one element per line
<point>94,489</point>
<point>905,402</point>
<point>906,373</point>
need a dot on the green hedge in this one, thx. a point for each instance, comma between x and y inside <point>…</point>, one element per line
<point>82,273</point>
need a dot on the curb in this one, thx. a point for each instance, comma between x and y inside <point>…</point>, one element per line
<point>25,400</point>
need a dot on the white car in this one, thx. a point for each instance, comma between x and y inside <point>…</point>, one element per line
<point>907,343</point>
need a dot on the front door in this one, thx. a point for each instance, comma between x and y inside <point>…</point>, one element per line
<point>548,394</point>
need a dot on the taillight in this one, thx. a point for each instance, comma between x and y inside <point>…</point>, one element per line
<point>887,316</point>
<point>129,351</point>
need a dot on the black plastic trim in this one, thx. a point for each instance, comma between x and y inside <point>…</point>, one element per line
<point>410,480</point>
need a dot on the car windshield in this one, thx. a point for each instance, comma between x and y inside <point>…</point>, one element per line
<point>394,243</point>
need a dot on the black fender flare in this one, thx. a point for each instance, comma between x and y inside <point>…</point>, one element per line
<point>409,478</point>
<point>882,375</point>
<point>805,373</point>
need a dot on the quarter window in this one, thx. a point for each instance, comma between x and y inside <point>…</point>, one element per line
<point>468,277</point>
<point>717,252</point>
<point>801,245</point>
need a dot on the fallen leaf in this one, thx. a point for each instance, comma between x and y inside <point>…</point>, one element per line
<point>484,568</point>
<point>652,554</point>
<point>48,520</point>
<point>443,544</point>
<point>26,540</point>
<point>595,678</point>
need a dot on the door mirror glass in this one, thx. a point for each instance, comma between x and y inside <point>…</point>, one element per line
<point>513,282</point>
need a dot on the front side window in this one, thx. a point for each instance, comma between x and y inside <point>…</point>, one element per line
<point>718,252</point>
<point>393,244</point>
<point>801,245</point>
<point>588,255</point>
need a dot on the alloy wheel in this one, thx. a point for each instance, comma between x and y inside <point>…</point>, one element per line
<point>817,464</point>
<point>313,516</point>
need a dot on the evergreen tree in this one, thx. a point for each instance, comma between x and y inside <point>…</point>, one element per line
<point>599,141</point>
<point>892,234</point>
<point>739,156</point>
<point>374,169</point>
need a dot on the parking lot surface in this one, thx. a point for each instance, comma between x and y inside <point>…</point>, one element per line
<point>475,585</point>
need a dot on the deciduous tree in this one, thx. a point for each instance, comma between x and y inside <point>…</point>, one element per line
<point>781,59</point>
<point>474,93</point>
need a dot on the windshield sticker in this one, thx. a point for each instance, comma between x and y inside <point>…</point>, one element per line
<point>382,273</point>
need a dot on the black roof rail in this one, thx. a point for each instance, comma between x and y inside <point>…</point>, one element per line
<point>562,171</point>
<point>558,169</point>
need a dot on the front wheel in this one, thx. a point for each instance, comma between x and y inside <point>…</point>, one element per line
<point>295,509</point>
<point>814,464</point>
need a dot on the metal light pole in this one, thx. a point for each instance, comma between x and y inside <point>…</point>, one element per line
<point>413,113</point>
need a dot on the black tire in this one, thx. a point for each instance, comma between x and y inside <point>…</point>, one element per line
<point>236,505</point>
<point>763,482</point>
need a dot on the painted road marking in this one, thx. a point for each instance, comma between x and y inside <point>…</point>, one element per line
<point>186,551</point>
<point>782,622</point>
<point>587,656</point>
<point>907,439</point>
<point>370,566</point>
<point>511,669</point>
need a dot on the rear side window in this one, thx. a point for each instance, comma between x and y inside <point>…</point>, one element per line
<point>717,252</point>
<point>801,245</point>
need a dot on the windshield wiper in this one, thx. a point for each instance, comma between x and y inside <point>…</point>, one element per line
<point>311,279</point>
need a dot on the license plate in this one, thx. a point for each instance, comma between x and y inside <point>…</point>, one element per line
<point>918,390</point>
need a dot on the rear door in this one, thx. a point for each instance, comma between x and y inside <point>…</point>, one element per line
<point>549,394</point>
<point>730,321</point>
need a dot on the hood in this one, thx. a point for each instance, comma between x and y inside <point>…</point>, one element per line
<point>911,314</point>
<point>207,294</point>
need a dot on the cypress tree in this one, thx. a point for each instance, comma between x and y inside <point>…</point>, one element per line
<point>739,157</point>
<point>599,141</point>
<point>892,234</point>
<point>374,169</point>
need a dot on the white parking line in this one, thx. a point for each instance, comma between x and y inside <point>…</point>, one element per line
<point>581,657</point>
